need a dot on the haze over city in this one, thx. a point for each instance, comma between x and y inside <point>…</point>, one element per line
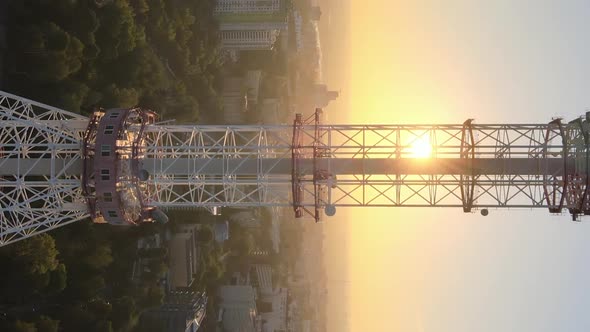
<point>433,62</point>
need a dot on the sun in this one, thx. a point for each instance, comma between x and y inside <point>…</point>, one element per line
<point>421,148</point>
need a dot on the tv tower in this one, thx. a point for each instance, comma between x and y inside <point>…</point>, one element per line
<point>121,166</point>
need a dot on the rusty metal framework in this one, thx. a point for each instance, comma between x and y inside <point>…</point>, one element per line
<point>48,164</point>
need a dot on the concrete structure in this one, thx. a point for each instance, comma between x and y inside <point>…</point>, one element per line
<point>248,6</point>
<point>252,81</point>
<point>182,311</point>
<point>306,326</point>
<point>234,100</point>
<point>254,290</point>
<point>275,230</point>
<point>141,265</point>
<point>298,22</point>
<point>249,30</point>
<point>239,95</point>
<point>237,309</point>
<point>260,253</point>
<point>183,258</point>
<point>269,111</point>
<point>316,13</point>
<point>250,36</point>
<point>323,96</point>
<point>275,320</point>
<point>253,26</point>
<point>221,231</point>
<point>261,279</point>
<point>251,15</point>
<point>245,219</point>
<point>248,40</point>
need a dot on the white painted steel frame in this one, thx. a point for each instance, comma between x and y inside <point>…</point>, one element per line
<point>492,141</point>
<point>33,202</point>
<point>231,188</point>
<point>179,145</point>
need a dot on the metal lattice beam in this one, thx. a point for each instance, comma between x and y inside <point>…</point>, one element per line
<point>40,160</point>
<point>215,166</point>
<point>56,166</point>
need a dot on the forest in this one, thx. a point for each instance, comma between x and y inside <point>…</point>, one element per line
<point>80,54</point>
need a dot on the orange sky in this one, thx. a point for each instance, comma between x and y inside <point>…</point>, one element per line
<point>392,70</point>
<point>429,61</point>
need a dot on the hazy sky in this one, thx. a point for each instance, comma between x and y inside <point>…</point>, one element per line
<point>446,61</point>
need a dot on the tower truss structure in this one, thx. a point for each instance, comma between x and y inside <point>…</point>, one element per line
<point>121,166</point>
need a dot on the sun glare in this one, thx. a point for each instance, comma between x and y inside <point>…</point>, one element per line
<point>421,148</point>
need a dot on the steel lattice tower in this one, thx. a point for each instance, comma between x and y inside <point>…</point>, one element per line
<point>121,166</point>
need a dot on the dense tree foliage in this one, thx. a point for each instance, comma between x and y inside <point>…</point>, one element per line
<point>33,267</point>
<point>205,236</point>
<point>79,54</point>
<point>43,324</point>
<point>46,324</point>
<point>78,279</point>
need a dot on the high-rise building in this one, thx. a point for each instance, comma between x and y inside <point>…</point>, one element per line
<point>248,40</point>
<point>183,258</point>
<point>274,319</point>
<point>248,6</point>
<point>261,278</point>
<point>253,26</point>
<point>323,96</point>
<point>316,13</point>
<point>182,311</point>
<point>237,309</point>
<point>247,25</point>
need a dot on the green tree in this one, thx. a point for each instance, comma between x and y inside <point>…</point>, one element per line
<point>157,267</point>
<point>31,263</point>
<point>153,297</point>
<point>91,319</point>
<point>35,255</point>
<point>102,326</point>
<point>141,8</point>
<point>20,326</point>
<point>153,253</point>
<point>242,243</point>
<point>85,28</point>
<point>100,308</point>
<point>115,96</point>
<point>72,95</point>
<point>204,236</point>
<point>74,319</point>
<point>141,69</point>
<point>47,324</point>
<point>89,287</point>
<point>124,311</point>
<point>100,257</point>
<point>51,54</point>
<point>58,280</point>
<point>118,33</point>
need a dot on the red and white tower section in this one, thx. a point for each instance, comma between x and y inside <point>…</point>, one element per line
<point>122,166</point>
